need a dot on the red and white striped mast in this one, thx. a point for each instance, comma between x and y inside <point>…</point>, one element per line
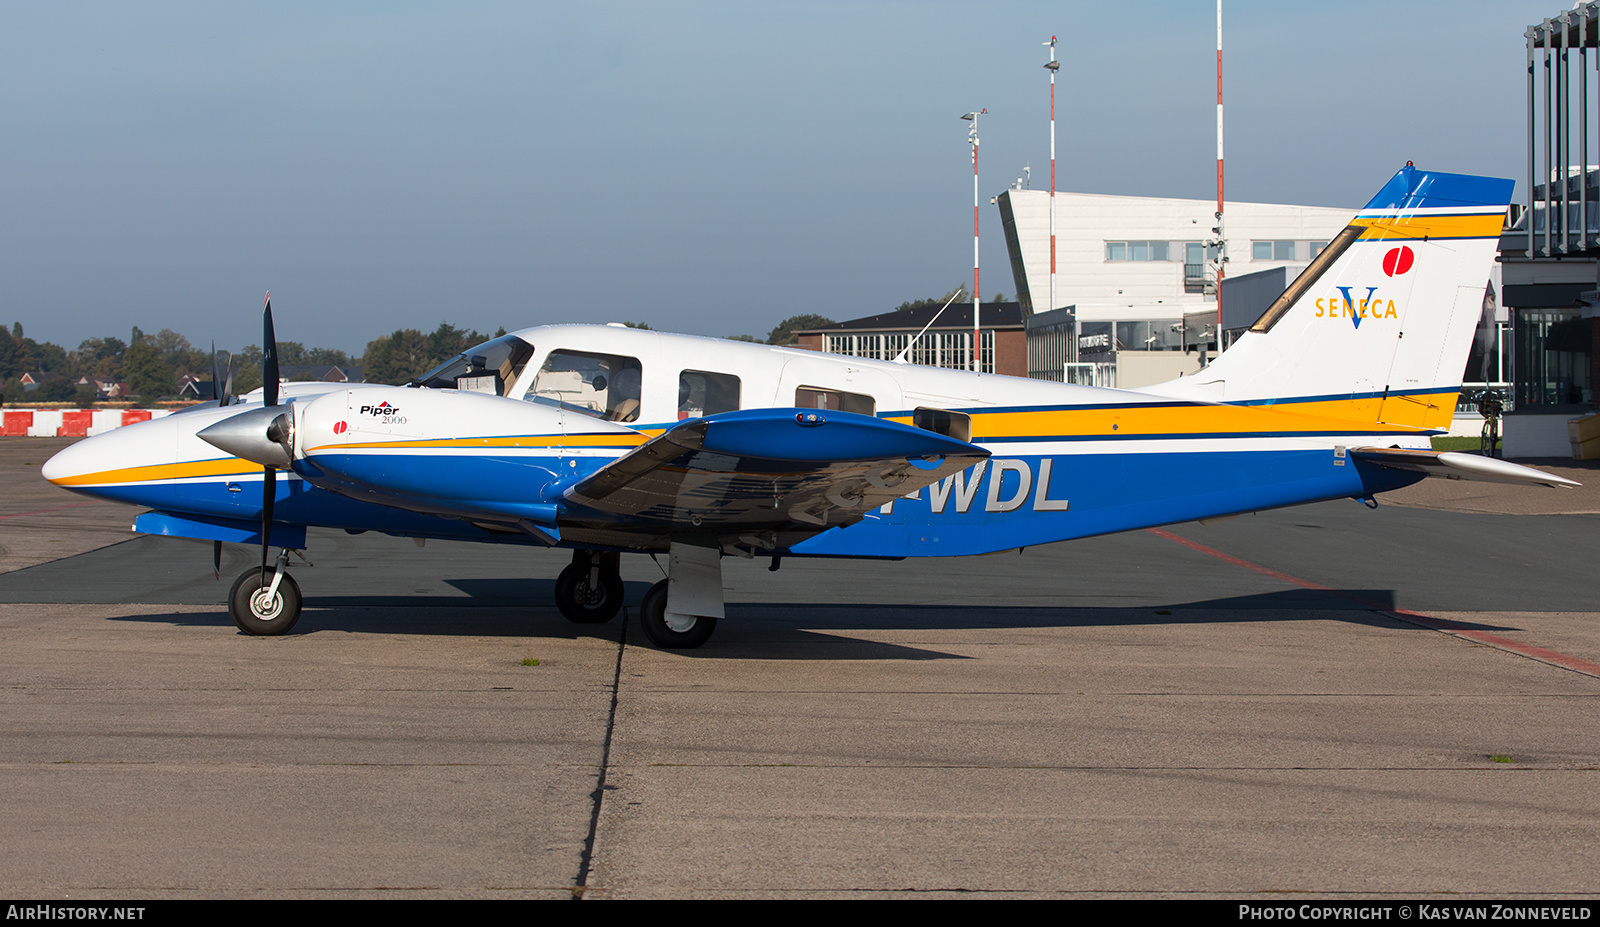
<point>1222,247</point>
<point>977,336</point>
<point>1053,66</point>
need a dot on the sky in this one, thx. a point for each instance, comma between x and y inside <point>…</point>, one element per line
<point>710,168</point>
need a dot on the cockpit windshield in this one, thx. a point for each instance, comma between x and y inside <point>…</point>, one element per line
<point>492,367</point>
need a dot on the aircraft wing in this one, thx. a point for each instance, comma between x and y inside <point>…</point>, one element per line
<point>1456,465</point>
<point>792,469</point>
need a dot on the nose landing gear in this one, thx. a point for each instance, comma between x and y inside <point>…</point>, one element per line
<point>266,602</point>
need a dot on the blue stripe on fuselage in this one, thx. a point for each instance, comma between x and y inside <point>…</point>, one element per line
<point>1104,493</point>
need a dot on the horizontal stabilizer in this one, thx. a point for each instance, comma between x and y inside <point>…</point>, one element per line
<point>1455,465</point>
<point>806,469</point>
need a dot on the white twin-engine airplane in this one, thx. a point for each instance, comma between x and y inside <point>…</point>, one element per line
<point>609,440</point>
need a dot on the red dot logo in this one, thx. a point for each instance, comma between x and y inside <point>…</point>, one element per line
<point>339,428</point>
<point>1398,261</point>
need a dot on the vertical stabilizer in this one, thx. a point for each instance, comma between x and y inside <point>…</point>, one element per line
<point>1377,328</point>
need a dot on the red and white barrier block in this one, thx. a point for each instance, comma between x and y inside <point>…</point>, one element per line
<point>70,423</point>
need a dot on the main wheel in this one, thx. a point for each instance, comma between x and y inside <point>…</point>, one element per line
<point>586,603</point>
<point>677,633</point>
<point>254,613</point>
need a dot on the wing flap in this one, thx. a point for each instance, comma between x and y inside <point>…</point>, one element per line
<point>1455,465</point>
<point>794,469</point>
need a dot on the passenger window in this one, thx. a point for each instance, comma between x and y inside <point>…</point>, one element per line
<point>703,393</point>
<point>815,397</point>
<point>603,385</point>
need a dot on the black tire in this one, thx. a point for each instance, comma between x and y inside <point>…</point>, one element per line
<point>264,619</point>
<point>653,618</point>
<point>583,604</point>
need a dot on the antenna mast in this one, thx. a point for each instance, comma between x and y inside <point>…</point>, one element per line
<point>977,335</point>
<point>1221,242</point>
<point>1053,66</point>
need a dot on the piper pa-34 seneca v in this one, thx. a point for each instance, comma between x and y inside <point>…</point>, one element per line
<point>607,440</point>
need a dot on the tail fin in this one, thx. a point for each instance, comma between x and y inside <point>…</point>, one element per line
<point>1378,327</point>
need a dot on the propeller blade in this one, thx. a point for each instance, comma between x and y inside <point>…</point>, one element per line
<point>216,378</point>
<point>269,357</point>
<point>227,386</point>
<point>216,559</point>
<point>269,495</point>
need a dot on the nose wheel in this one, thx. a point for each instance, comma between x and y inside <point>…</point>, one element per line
<point>589,590</point>
<point>265,602</point>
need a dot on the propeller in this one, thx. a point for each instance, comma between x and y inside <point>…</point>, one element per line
<point>222,400</point>
<point>269,395</point>
<point>264,436</point>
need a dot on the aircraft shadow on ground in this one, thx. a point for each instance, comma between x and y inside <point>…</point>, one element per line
<point>795,630</point>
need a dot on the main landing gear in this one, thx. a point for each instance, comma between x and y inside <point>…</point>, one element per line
<point>681,611</point>
<point>265,602</point>
<point>589,590</point>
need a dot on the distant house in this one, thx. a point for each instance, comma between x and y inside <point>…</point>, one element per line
<point>196,389</point>
<point>110,389</point>
<point>33,379</point>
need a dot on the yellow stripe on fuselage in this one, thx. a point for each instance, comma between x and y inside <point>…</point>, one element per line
<point>1486,225</point>
<point>533,441</point>
<point>1405,415</point>
<point>186,470</point>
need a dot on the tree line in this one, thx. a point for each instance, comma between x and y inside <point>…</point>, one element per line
<point>154,366</point>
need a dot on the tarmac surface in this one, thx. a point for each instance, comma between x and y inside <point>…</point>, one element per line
<point>1324,701</point>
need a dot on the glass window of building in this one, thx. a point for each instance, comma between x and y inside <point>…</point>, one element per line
<point>1272,250</point>
<point>1138,250</point>
<point>1551,360</point>
<point>1162,335</point>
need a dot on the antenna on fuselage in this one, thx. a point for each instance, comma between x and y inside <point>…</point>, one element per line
<point>901,357</point>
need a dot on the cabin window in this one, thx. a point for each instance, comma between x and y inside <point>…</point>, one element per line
<point>492,367</point>
<point>816,397</point>
<point>603,385</point>
<point>701,393</point>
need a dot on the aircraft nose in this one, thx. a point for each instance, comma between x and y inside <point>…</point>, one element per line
<point>106,459</point>
<point>73,460</point>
